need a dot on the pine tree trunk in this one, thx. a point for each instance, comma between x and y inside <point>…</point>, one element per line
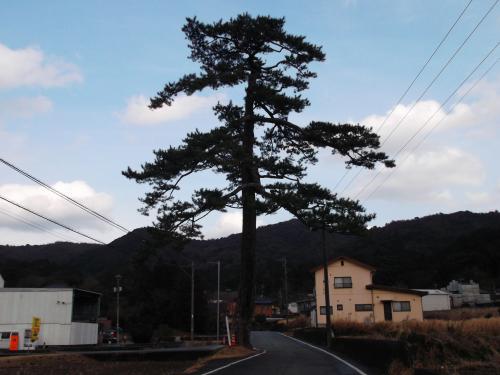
<point>246,296</point>
<point>246,292</point>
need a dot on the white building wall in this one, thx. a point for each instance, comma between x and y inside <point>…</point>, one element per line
<point>50,334</point>
<point>436,302</point>
<point>83,334</point>
<point>17,309</point>
<point>52,307</point>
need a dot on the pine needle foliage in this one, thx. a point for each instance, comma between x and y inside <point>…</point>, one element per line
<point>262,154</point>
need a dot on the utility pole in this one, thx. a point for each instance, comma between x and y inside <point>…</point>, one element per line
<point>329,331</point>
<point>192,294</point>
<point>218,297</point>
<point>192,301</point>
<point>117,290</point>
<point>285,289</point>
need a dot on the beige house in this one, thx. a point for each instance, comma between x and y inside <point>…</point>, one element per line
<point>353,296</point>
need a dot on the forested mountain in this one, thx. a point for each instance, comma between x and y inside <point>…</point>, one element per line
<point>419,253</point>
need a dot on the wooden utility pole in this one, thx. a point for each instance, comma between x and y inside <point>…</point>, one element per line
<point>329,332</point>
<point>285,282</point>
<point>192,301</point>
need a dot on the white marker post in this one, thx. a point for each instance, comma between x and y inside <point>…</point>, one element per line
<point>228,331</point>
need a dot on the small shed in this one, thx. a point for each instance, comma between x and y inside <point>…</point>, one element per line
<point>64,316</point>
<point>435,300</point>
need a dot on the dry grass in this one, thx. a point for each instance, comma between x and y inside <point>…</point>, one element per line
<point>478,326</point>
<point>439,344</point>
<point>226,353</point>
<point>75,364</point>
<point>299,322</point>
<point>464,313</point>
<point>398,368</point>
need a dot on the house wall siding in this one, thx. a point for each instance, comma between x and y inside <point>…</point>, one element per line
<point>358,294</point>
<point>415,312</point>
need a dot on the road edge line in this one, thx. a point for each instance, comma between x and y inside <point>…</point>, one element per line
<point>233,363</point>
<point>329,353</point>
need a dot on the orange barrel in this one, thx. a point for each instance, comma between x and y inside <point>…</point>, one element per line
<point>233,340</point>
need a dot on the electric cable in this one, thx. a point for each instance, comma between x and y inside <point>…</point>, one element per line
<point>65,197</point>
<point>51,220</point>
<point>462,83</point>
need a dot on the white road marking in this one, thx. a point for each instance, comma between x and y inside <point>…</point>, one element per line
<point>233,363</point>
<point>329,353</point>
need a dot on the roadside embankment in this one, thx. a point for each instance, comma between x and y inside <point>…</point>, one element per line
<point>465,347</point>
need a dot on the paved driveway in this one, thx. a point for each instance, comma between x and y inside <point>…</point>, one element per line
<point>285,356</point>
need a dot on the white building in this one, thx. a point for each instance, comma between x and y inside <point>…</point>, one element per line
<point>68,316</point>
<point>435,300</point>
<point>467,294</point>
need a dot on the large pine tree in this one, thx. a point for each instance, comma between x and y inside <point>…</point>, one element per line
<point>263,155</point>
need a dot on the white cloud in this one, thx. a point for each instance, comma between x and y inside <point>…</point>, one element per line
<point>138,113</point>
<point>428,175</point>
<point>438,171</point>
<point>25,106</point>
<point>30,67</point>
<point>478,197</point>
<point>479,115</point>
<point>227,223</point>
<point>46,203</point>
<point>406,127</point>
<point>484,199</point>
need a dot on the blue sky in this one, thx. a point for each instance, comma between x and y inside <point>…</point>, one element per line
<point>75,76</point>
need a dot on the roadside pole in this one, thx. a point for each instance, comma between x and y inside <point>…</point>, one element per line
<point>118,288</point>
<point>218,298</point>
<point>329,331</point>
<point>192,301</point>
<point>228,332</point>
<point>286,289</point>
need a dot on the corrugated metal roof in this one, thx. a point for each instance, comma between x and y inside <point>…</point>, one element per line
<point>395,289</point>
<point>433,291</point>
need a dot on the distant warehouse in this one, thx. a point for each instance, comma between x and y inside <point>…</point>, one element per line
<point>48,316</point>
<point>435,300</point>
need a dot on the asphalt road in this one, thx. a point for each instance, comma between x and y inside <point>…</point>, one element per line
<point>284,356</point>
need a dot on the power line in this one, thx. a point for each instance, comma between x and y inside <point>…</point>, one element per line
<point>432,116</point>
<point>65,197</point>
<point>440,72</point>
<point>443,68</point>
<point>33,225</point>
<point>52,221</point>
<point>410,86</point>
<point>425,65</point>
<point>424,138</point>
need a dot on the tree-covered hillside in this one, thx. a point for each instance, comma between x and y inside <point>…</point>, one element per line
<point>419,253</point>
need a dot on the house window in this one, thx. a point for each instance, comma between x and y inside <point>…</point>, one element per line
<point>363,307</point>
<point>322,310</point>
<point>342,282</point>
<point>340,307</point>
<point>401,306</point>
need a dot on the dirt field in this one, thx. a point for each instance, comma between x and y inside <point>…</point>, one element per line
<point>77,364</point>
<point>74,364</point>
